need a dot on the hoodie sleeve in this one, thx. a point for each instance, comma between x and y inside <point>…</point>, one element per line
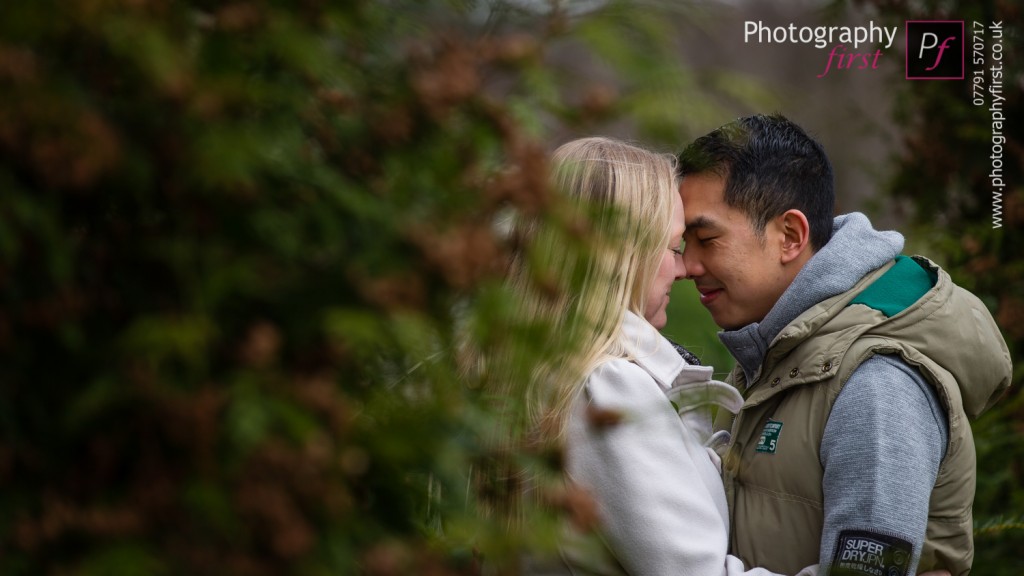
<point>659,496</point>
<point>881,450</point>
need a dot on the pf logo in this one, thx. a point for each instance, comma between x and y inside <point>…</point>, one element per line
<point>935,50</point>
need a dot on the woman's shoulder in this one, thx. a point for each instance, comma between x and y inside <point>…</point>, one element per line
<point>620,383</point>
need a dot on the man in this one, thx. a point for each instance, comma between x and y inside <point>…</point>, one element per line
<point>859,367</point>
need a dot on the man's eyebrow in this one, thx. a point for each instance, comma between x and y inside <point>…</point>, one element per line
<point>700,222</point>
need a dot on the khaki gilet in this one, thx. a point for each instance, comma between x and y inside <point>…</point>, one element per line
<point>911,308</point>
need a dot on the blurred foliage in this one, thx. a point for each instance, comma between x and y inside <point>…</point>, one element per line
<point>238,243</point>
<point>942,179</point>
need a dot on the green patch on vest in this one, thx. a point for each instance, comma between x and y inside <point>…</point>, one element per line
<point>898,288</point>
<point>769,440</point>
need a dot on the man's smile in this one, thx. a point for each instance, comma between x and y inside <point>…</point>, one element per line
<point>708,294</point>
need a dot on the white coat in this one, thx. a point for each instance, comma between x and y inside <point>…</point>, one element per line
<point>655,483</point>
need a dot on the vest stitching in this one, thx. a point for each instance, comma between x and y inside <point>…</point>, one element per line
<point>783,495</point>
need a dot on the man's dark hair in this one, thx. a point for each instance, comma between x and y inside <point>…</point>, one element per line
<point>769,165</point>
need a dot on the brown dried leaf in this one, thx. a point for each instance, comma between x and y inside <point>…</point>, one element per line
<point>603,418</point>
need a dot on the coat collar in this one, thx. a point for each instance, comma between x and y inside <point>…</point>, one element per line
<point>650,350</point>
<point>687,385</point>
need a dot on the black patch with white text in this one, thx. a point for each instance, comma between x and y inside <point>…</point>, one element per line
<point>860,553</point>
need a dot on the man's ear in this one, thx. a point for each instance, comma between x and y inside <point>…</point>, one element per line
<point>796,235</point>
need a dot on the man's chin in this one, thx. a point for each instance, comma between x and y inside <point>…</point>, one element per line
<point>724,322</point>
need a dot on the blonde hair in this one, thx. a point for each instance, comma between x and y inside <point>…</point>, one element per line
<point>581,270</point>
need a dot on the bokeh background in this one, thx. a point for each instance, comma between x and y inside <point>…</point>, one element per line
<point>243,244</point>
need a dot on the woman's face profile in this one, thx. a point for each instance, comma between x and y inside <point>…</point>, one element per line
<point>670,270</point>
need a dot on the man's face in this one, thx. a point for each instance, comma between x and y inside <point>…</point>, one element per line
<point>739,275</point>
<point>670,270</point>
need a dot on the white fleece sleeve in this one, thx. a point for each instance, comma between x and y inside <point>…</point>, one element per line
<point>659,496</point>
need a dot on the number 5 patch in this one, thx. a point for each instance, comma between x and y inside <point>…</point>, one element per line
<point>860,553</point>
<point>769,440</point>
